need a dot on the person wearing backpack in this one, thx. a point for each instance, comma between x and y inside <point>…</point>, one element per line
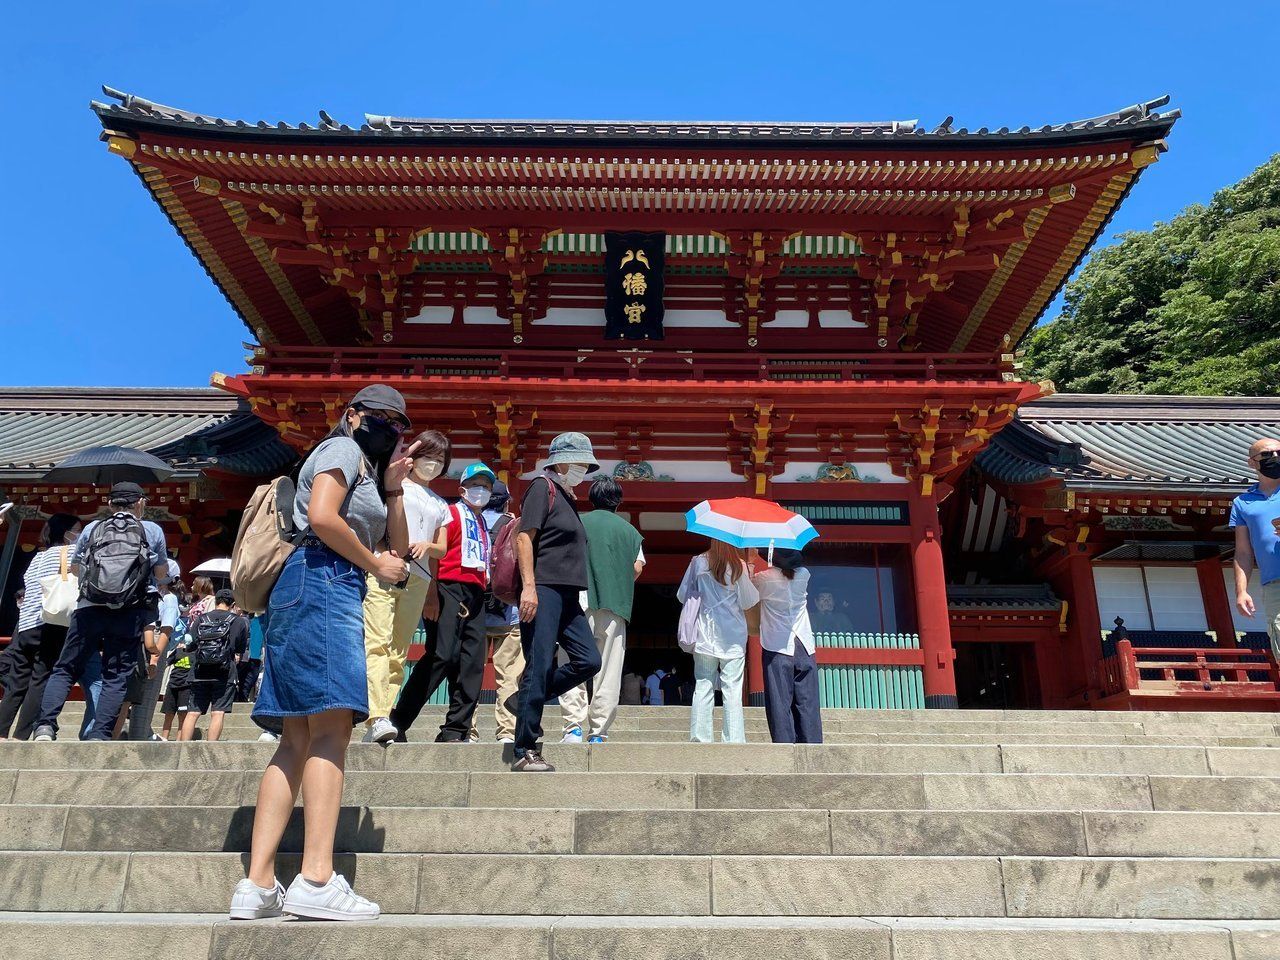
<point>156,641</point>
<point>115,560</point>
<point>459,651</point>
<point>719,582</point>
<point>219,641</point>
<point>349,515</point>
<point>552,552</point>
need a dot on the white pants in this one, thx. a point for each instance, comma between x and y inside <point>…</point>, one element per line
<point>706,669</point>
<point>595,718</point>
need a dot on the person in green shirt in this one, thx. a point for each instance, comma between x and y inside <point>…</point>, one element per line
<point>615,558</point>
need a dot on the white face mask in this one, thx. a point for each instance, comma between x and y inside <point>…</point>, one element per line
<point>424,471</point>
<point>573,476</point>
<point>477,496</point>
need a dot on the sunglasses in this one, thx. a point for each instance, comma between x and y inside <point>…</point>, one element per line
<point>396,424</point>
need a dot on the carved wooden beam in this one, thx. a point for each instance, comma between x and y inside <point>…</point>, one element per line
<point>753,257</point>
<point>765,454</point>
<point>517,255</point>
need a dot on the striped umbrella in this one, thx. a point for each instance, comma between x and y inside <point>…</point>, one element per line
<point>748,522</point>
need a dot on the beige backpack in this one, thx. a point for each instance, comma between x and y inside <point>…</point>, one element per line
<point>263,544</point>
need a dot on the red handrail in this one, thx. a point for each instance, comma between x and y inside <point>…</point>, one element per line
<point>1212,667</point>
<point>628,364</point>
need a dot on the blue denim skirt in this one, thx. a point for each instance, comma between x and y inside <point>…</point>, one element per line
<point>314,638</point>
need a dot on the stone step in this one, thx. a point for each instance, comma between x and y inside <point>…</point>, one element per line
<point>127,936</point>
<point>666,791</point>
<point>1162,723</point>
<point>662,736</point>
<point>939,833</point>
<point>752,886</point>
<point>677,758</point>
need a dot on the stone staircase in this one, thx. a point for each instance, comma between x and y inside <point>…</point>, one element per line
<point>912,834</point>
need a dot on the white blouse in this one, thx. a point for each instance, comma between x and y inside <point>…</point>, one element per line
<point>722,625</point>
<point>784,611</point>
<point>425,512</point>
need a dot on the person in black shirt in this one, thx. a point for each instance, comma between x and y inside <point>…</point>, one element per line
<point>213,686</point>
<point>552,551</point>
<point>672,687</point>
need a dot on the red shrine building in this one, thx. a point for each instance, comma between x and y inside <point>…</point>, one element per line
<point>821,314</point>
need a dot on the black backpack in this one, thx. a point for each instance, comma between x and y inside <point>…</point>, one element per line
<point>117,563</point>
<point>212,635</point>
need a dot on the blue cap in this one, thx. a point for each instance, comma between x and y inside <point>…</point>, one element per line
<point>478,469</point>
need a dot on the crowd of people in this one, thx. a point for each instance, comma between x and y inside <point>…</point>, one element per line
<point>137,639</point>
<point>375,555</point>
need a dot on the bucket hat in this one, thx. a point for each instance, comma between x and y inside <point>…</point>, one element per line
<point>572,448</point>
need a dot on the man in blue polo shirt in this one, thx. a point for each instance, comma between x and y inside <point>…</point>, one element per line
<point>1255,515</point>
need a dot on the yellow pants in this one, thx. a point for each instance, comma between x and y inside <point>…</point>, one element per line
<point>508,665</point>
<point>391,617</point>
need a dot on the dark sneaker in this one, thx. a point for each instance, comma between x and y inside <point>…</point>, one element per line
<point>44,734</point>
<point>532,762</point>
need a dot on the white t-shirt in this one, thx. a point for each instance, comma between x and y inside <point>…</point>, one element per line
<point>784,611</point>
<point>425,513</point>
<point>722,624</point>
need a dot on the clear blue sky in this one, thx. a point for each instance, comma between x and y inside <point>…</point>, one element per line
<point>98,289</point>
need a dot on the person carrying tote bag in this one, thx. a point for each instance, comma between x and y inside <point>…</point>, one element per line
<point>60,591</point>
<point>38,639</point>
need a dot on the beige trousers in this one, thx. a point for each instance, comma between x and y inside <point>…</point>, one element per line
<point>1271,610</point>
<point>595,718</point>
<point>391,617</point>
<point>508,665</point>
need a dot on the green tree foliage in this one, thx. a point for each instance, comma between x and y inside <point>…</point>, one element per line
<point>1189,307</point>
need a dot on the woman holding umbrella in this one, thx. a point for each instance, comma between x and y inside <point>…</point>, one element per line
<point>719,580</point>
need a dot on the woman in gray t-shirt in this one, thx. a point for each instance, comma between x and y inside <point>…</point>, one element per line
<point>349,501</point>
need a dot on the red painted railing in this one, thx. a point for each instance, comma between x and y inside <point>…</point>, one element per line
<point>626,364</point>
<point>1204,671</point>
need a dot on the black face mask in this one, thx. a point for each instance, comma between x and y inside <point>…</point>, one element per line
<point>1269,467</point>
<point>376,438</point>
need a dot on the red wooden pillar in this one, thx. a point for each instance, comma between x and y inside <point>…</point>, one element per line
<point>1088,623</point>
<point>1217,604</point>
<point>931,601</point>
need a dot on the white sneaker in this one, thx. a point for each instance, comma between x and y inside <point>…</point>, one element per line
<point>572,735</point>
<point>506,739</point>
<point>334,901</point>
<point>252,902</point>
<point>381,731</point>
<point>269,737</point>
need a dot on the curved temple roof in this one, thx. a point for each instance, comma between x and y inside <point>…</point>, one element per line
<point>193,429</point>
<point>1105,442</point>
<point>1143,115</point>
<point>314,233</point>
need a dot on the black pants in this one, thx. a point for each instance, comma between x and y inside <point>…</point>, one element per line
<point>458,657</point>
<point>116,635</point>
<point>247,679</point>
<point>791,697</point>
<point>559,621</point>
<point>36,651</point>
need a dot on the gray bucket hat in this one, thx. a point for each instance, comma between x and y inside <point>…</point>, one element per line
<point>573,448</point>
